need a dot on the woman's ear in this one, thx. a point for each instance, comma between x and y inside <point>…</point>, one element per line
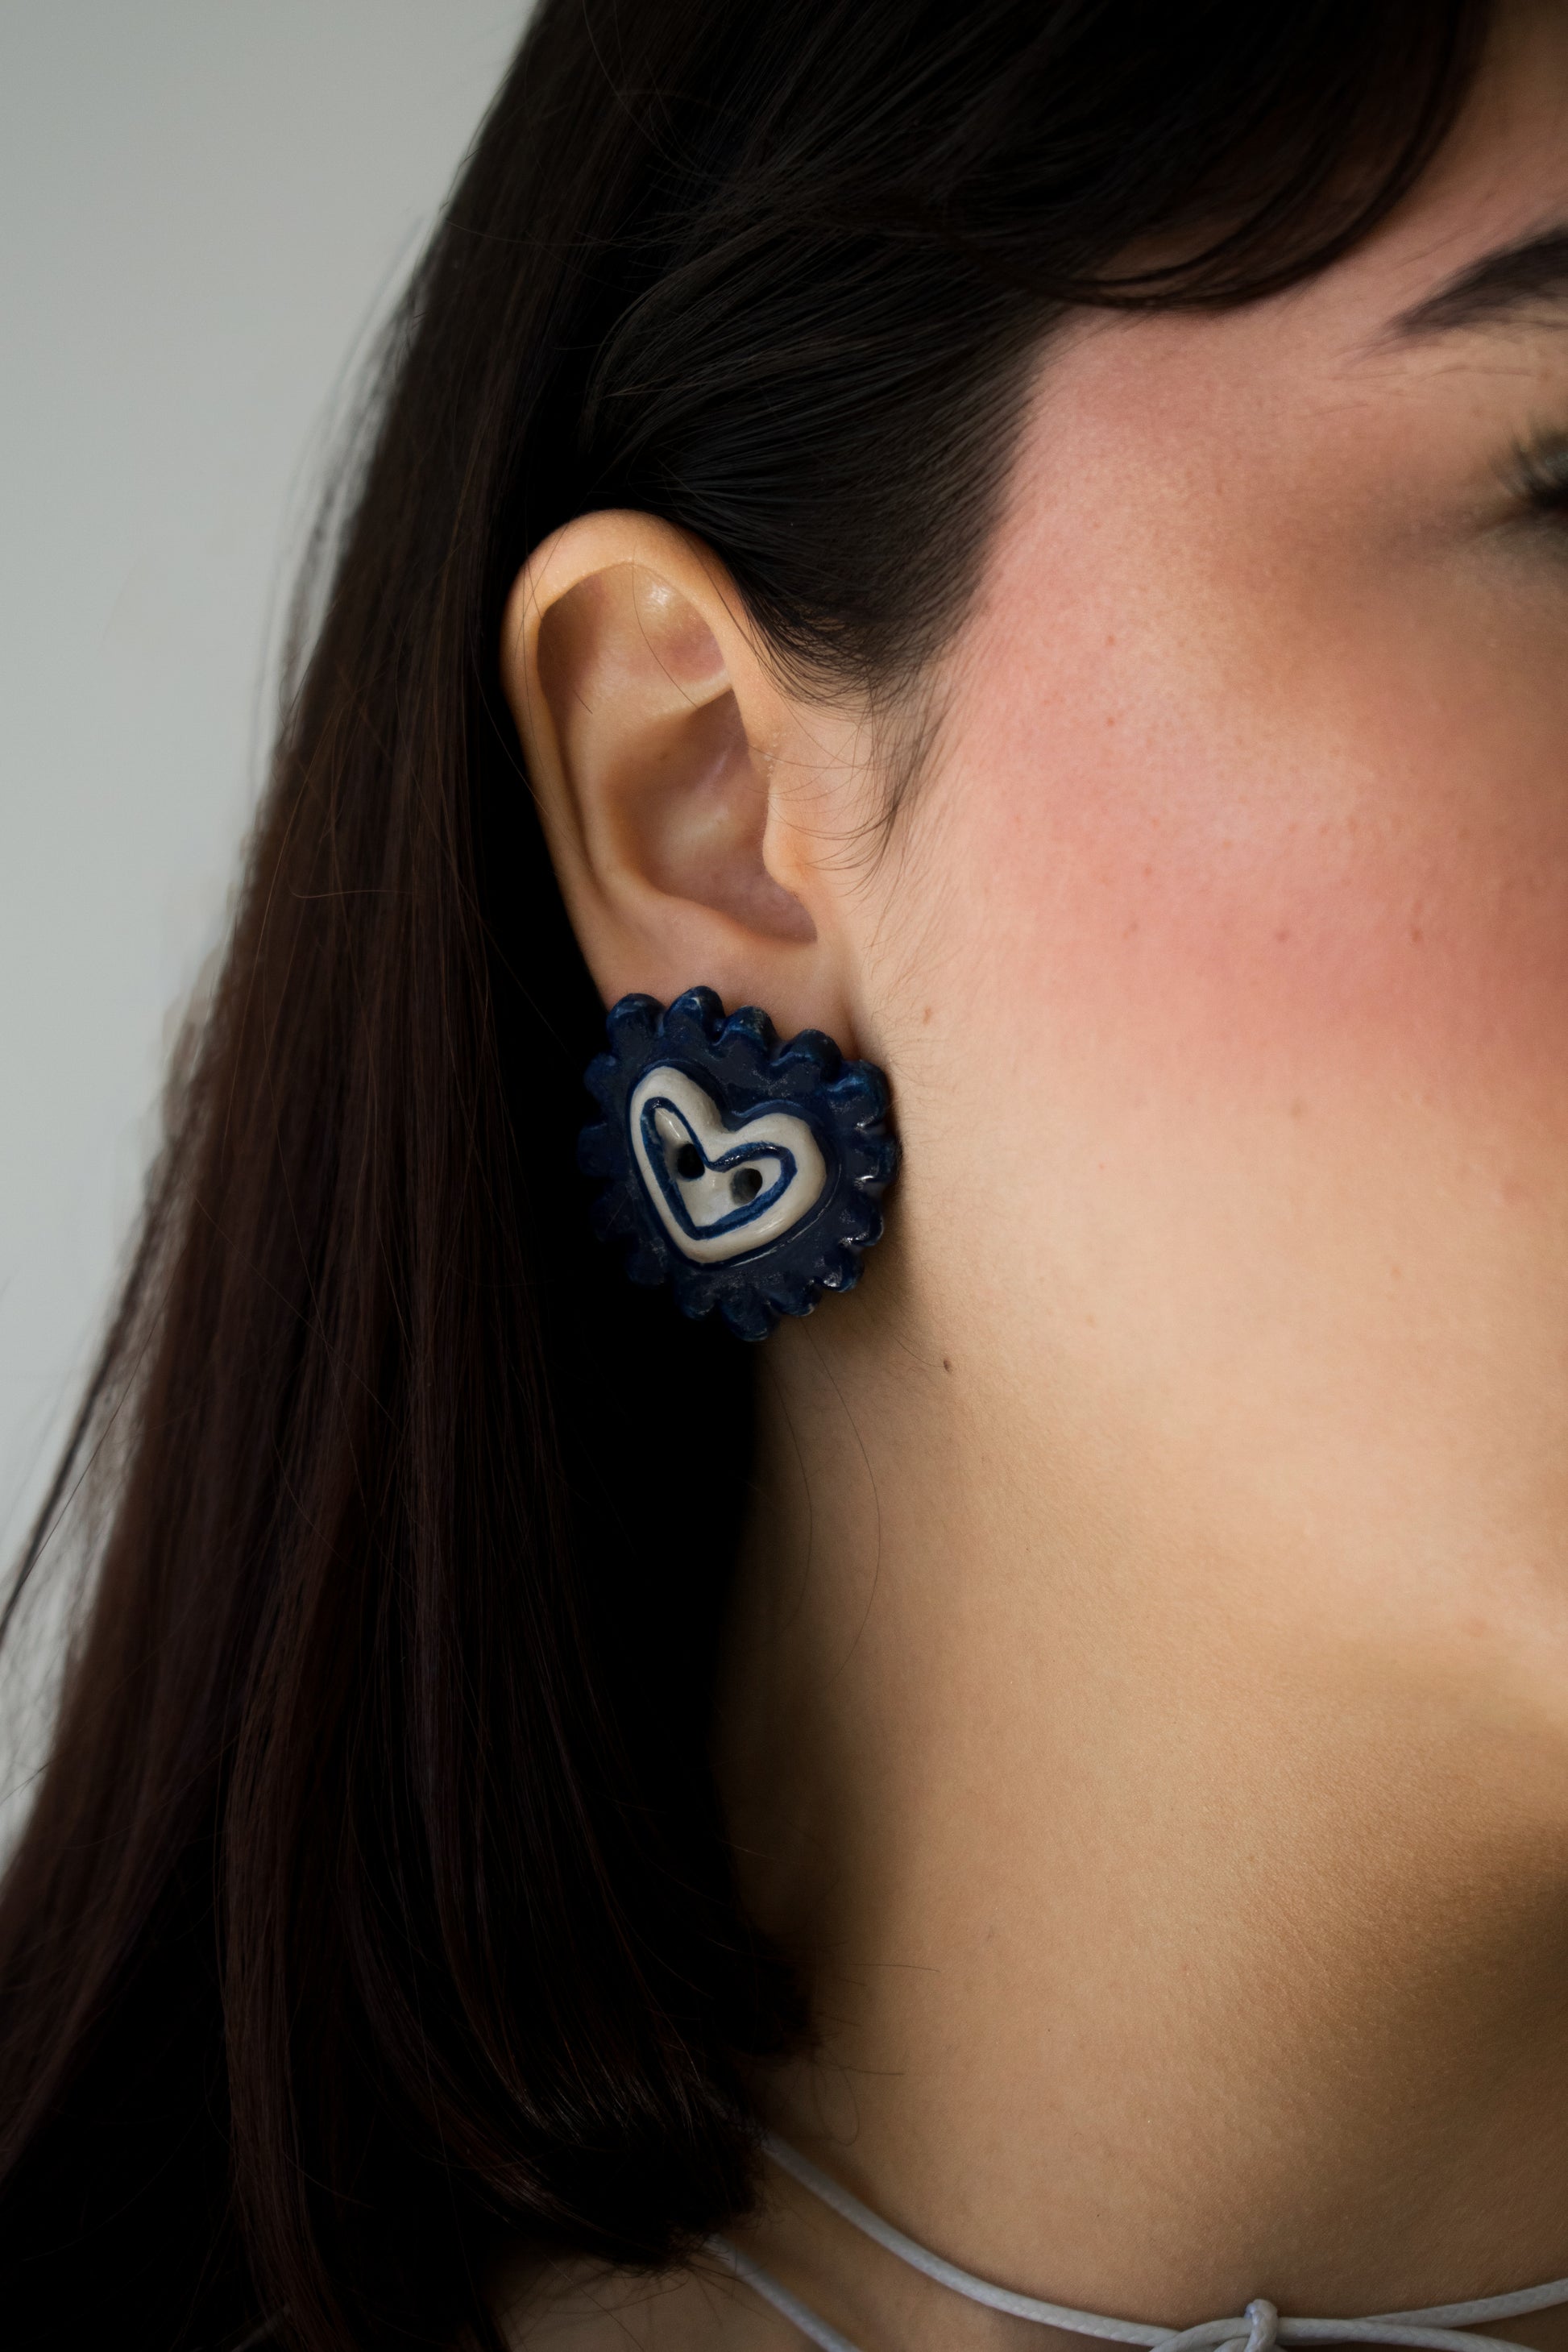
<point>665,759</point>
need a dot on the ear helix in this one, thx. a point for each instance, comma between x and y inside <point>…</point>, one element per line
<point>746,1174</point>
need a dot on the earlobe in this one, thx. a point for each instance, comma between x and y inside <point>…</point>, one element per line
<point>648,726</point>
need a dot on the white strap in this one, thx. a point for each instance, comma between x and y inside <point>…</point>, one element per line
<point>1259,2329</point>
<point>815,2330</point>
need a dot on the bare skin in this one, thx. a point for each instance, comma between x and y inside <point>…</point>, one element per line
<point>1146,1705</point>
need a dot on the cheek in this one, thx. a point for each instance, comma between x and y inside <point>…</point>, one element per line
<point>1254,845</point>
<point>1248,969</point>
<point>1232,1007</point>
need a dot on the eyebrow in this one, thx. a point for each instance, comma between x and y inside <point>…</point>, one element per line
<point>1498,290</point>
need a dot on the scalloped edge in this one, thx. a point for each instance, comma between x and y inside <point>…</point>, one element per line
<point>848,1102</point>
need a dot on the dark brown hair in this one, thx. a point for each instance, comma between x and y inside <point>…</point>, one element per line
<point>373,1908</point>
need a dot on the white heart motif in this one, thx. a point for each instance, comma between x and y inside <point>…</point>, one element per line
<point>684,1114</point>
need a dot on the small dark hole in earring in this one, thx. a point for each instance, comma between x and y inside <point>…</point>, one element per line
<point>745,1184</point>
<point>689,1161</point>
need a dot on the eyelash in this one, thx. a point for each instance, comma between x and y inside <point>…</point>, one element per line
<point>1538,474</point>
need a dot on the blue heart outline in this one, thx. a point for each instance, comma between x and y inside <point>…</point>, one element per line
<point>745,1212</point>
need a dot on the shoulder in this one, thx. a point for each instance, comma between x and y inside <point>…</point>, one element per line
<point>577,2307</point>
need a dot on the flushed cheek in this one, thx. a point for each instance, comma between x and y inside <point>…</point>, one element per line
<point>1257,987</point>
<point>1269,870</point>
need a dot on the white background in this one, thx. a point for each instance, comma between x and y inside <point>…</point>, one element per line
<point>204,203</point>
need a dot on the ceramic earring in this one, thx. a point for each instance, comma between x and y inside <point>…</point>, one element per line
<point>747,1174</point>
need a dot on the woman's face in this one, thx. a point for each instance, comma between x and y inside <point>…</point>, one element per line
<point>1222,953</point>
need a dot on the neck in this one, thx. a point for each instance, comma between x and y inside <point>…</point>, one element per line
<point>1165,1946</point>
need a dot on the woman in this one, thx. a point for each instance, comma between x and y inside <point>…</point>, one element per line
<point>1029,540</point>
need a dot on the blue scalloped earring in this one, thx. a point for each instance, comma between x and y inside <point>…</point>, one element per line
<point>747,1174</point>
